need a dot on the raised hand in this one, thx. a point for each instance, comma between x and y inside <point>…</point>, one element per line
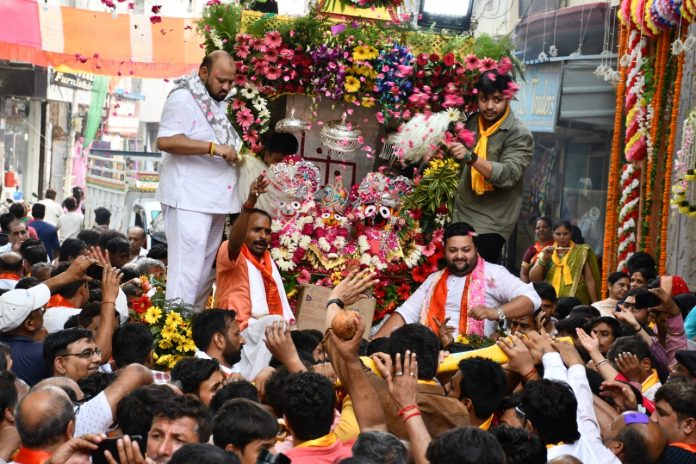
<point>588,342</point>
<point>620,393</point>
<point>352,288</point>
<point>519,358</point>
<point>445,332</point>
<point>402,380</point>
<point>629,365</point>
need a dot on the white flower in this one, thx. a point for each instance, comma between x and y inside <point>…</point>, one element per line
<point>324,245</point>
<point>305,241</point>
<point>264,114</point>
<point>362,243</point>
<point>339,242</point>
<point>248,92</point>
<point>296,236</point>
<point>285,265</point>
<point>453,114</point>
<point>217,41</point>
<point>285,240</point>
<point>366,259</point>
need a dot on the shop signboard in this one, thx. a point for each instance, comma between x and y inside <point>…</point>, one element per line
<point>539,97</point>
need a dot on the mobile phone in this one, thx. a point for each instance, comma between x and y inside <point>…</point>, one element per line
<point>647,300</point>
<point>110,445</point>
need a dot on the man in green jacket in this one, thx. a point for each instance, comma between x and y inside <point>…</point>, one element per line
<point>489,196</point>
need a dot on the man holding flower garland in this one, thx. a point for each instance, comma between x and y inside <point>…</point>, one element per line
<point>198,175</point>
<point>489,196</point>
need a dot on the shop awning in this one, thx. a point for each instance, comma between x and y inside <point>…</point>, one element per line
<point>71,39</point>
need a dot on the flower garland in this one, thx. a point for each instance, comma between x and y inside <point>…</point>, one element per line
<point>372,4</point>
<point>249,114</point>
<point>662,261</point>
<point>636,107</point>
<point>661,56</point>
<point>611,223</point>
<point>684,169</point>
<point>628,215</point>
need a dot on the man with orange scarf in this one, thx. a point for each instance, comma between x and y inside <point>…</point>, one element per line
<point>248,280</point>
<point>471,292</point>
<point>489,196</point>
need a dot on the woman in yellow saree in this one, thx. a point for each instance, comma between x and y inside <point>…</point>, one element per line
<point>570,268</point>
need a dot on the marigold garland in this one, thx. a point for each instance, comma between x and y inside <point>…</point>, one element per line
<point>662,53</point>
<point>668,171</point>
<point>610,223</point>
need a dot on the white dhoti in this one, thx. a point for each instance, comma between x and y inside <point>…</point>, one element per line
<point>193,239</point>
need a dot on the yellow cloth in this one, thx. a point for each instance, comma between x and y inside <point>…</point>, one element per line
<point>347,428</point>
<point>479,184</point>
<point>486,425</point>
<point>563,269</point>
<point>321,442</point>
<point>650,381</point>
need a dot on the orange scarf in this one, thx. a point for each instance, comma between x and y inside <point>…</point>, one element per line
<point>439,299</point>
<point>479,184</point>
<point>538,246</point>
<point>28,456</point>
<point>9,276</point>
<point>58,300</point>
<point>685,446</point>
<point>275,306</point>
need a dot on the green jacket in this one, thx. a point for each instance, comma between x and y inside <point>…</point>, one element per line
<point>510,151</point>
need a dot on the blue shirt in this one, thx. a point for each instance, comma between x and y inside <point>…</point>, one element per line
<point>48,234</point>
<point>27,358</point>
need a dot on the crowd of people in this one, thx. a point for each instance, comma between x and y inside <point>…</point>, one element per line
<point>572,375</point>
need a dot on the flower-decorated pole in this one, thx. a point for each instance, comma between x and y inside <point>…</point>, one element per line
<point>668,165</point>
<point>628,215</point>
<point>661,56</point>
<point>610,223</point>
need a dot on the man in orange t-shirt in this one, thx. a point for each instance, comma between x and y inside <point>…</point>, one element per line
<point>248,280</point>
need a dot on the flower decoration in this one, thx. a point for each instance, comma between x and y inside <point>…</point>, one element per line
<point>393,84</point>
<point>329,71</point>
<point>249,114</point>
<point>372,3</point>
<point>170,323</point>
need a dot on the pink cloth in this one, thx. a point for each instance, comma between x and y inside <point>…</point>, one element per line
<point>79,166</point>
<point>321,455</point>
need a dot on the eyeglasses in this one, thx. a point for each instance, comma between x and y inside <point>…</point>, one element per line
<point>86,354</point>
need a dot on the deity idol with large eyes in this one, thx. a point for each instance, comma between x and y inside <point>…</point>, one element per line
<point>381,233</point>
<point>292,229</point>
<point>331,246</point>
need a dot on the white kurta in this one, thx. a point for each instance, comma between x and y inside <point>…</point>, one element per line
<point>501,288</point>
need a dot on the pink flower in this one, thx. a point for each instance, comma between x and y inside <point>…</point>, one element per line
<point>404,71</point>
<point>240,79</point>
<point>272,55</point>
<point>303,277</point>
<point>273,39</point>
<point>467,137</point>
<point>273,72</point>
<point>504,65</point>
<point>419,99</point>
<point>487,64</point>
<point>259,45</point>
<point>380,117</point>
<point>245,118</point>
<point>242,51</point>
<point>452,100</point>
<point>238,104</point>
<point>472,62</point>
<point>287,54</point>
<point>511,90</point>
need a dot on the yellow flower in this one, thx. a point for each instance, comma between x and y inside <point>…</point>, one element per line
<point>152,315</point>
<point>168,332</point>
<point>292,293</point>
<point>349,98</point>
<point>368,102</point>
<point>165,344</point>
<point>165,360</point>
<point>364,53</point>
<point>352,84</point>
<point>186,346</point>
<point>174,318</point>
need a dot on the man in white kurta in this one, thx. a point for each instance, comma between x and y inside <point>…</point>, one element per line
<point>492,292</point>
<point>198,176</point>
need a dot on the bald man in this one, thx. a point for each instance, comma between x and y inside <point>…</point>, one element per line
<point>45,420</point>
<point>136,237</point>
<point>10,269</point>
<point>634,439</point>
<point>198,175</point>
<point>566,459</point>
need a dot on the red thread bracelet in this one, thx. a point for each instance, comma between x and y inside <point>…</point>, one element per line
<point>408,408</point>
<point>414,414</point>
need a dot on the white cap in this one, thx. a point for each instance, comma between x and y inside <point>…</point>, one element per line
<point>16,305</point>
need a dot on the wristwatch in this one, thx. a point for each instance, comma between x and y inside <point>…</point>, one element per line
<point>470,158</point>
<point>501,313</point>
<point>337,301</point>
